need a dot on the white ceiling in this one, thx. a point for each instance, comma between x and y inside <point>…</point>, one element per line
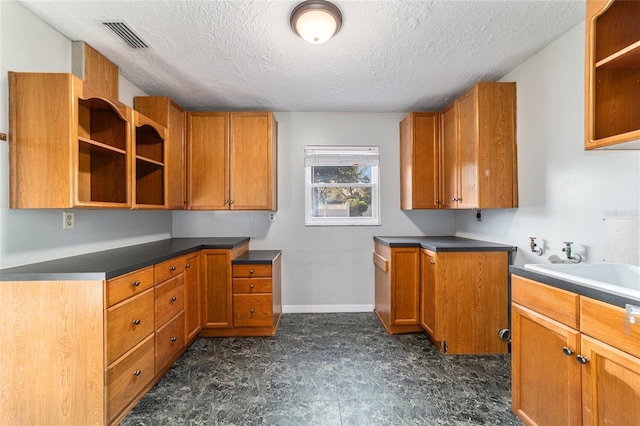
<point>389,56</point>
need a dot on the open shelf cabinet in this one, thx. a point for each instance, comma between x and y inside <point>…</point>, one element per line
<point>149,164</point>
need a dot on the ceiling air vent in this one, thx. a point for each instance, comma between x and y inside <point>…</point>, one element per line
<point>122,30</point>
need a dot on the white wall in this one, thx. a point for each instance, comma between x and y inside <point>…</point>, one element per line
<point>26,236</point>
<point>565,192</point>
<point>323,268</point>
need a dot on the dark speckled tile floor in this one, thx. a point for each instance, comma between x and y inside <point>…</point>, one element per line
<point>328,369</point>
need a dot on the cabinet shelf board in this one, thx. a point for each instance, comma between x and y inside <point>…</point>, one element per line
<point>627,58</point>
<point>149,161</point>
<point>101,146</point>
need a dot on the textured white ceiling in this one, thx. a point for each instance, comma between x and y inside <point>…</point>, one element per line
<point>389,56</point>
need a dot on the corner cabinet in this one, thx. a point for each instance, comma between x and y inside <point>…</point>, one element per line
<point>232,161</point>
<point>612,75</point>
<point>419,143</point>
<point>479,152</point>
<point>592,349</point>
<point>69,145</point>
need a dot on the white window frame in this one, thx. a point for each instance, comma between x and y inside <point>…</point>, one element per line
<point>326,155</point>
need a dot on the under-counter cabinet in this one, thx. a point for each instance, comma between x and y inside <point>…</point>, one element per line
<point>192,297</point>
<point>591,348</point>
<point>69,145</point>
<point>232,161</point>
<point>419,158</point>
<point>478,165</point>
<point>170,115</point>
<point>612,75</point>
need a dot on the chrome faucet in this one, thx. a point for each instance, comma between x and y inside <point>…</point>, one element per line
<point>573,257</point>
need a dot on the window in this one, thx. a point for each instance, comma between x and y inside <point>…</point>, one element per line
<point>341,185</point>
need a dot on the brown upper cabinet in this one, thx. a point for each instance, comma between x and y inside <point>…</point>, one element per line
<point>95,69</point>
<point>419,161</point>
<point>612,71</point>
<point>169,114</point>
<point>69,145</point>
<point>477,163</point>
<point>149,164</point>
<point>232,161</point>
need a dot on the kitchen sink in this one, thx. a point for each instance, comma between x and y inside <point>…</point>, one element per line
<point>615,278</point>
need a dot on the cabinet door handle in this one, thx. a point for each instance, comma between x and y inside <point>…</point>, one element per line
<point>251,271</point>
<point>226,201</point>
<point>174,338</point>
<point>567,351</point>
<point>455,199</point>
<point>252,310</point>
<point>173,268</point>
<point>136,322</point>
<point>188,265</point>
<point>433,262</point>
<point>230,201</point>
<point>582,360</point>
<point>173,299</point>
<point>137,372</point>
<point>136,283</point>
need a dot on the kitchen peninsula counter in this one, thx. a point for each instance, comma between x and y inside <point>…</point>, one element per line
<point>107,264</point>
<point>443,243</point>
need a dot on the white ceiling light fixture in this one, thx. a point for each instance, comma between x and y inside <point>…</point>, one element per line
<point>316,21</point>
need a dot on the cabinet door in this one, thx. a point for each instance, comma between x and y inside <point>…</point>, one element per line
<point>449,156</point>
<point>428,294</point>
<point>419,148</point>
<point>545,381</point>
<point>216,280</point>
<point>467,152</point>
<point>610,385</point>
<point>208,160</point>
<point>405,286</point>
<point>253,161</point>
<point>192,297</point>
<point>176,154</point>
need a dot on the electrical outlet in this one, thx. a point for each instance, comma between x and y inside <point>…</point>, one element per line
<point>68,220</point>
<point>272,216</point>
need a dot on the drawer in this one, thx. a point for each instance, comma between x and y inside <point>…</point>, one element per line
<point>129,285</point>
<point>128,376</point>
<point>252,310</point>
<point>610,324</point>
<point>169,341</point>
<point>128,323</point>
<point>169,268</point>
<point>169,299</point>
<point>249,271</point>
<point>252,285</point>
<point>555,303</point>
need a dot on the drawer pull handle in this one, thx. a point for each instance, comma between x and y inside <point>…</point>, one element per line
<point>252,310</point>
<point>136,283</point>
<point>174,339</point>
<point>137,372</point>
<point>582,360</point>
<point>251,271</point>
<point>173,299</point>
<point>136,322</point>
<point>173,268</point>
<point>251,286</point>
<point>188,265</point>
<point>567,351</point>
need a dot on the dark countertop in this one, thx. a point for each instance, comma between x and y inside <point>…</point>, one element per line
<point>593,293</point>
<point>107,264</point>
<point>444,243</point>
<point>256,257</point>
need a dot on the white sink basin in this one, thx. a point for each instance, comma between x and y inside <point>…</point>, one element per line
<point>615,278</point>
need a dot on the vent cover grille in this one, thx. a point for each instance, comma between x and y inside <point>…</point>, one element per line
<point>126,34</point>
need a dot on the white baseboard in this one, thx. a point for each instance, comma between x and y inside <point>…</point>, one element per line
<point>316,309</point>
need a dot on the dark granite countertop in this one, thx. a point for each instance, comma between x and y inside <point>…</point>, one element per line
<point>107,264</point>
<point>444,243</point>
<point>593,293</point>
<point>256,257</point>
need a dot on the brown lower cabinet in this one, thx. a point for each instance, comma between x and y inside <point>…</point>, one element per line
<point>575,360</point>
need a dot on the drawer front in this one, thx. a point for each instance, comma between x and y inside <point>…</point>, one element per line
<point>128,323</point>
<point>169,341</point>
<point>169,300</point>
<point>555,303</point>
<point>169,268</point>
<point>127,377</point>
<point>251,285</point>
<point>252,310</point>
<point>609,324</point>
<point>249,271</point>
<point>121,288</point>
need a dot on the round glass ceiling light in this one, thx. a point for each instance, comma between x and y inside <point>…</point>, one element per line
<point>316,21</point>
